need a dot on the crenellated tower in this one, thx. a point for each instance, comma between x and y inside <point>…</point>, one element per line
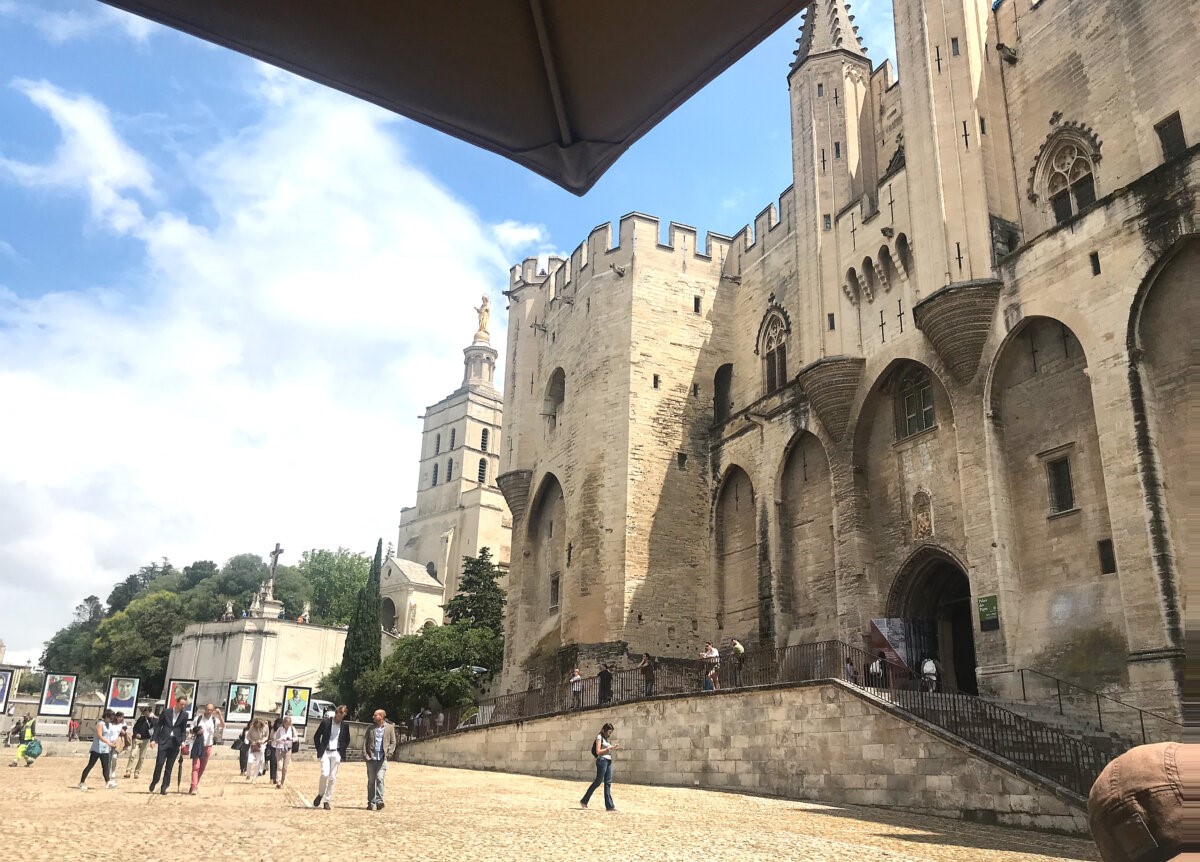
<point>833,162</point>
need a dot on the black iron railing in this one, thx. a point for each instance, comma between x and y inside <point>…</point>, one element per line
<point>1041,749</point>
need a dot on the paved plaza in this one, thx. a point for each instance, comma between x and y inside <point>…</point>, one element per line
<point>459,815</point>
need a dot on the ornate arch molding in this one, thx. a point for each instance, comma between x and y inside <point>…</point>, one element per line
<point>910,575</point>
<point>775,311</point>
<point>1064,134</point>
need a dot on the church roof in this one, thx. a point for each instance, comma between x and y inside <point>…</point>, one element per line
<point>828,26</point>
<point>416,573</point>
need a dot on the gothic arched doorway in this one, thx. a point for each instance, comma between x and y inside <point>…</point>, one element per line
<point>931,601</point>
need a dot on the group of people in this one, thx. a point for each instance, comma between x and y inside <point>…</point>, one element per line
<point>262,746</point>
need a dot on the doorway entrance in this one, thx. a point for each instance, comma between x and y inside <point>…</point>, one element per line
<point>931,598</point>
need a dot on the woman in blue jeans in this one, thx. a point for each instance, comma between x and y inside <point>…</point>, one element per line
<point>602,751</point>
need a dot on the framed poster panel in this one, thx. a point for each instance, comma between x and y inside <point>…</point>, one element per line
<point>239,705</point>
<point>295,704</point>
<point>181,688</point>
<point>6,681</point>
<point>58,694</point>
<point>123,695</point>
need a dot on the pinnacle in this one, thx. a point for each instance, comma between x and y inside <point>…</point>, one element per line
<point>828,26</point>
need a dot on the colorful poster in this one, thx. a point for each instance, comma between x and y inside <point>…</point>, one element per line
<point>295,704</point>
<point>123,694</point>
<point>180,689</point>
<point>6,678</point>
<point>239,706</point>
<point>58,694</point>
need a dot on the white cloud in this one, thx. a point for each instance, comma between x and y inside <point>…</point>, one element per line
<point>59,22</point>
<point>254,378</point>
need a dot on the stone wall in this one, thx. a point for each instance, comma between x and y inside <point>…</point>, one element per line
<point>823,742</point>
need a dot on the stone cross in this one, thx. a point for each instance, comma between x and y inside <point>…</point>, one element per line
<point>275,555</point>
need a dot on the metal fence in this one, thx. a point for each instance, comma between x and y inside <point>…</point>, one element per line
<point>1044,750</point>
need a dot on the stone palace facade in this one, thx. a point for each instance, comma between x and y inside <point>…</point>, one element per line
<point>935,397</point>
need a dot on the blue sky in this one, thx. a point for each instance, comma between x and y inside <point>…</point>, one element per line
<point>226,293</point>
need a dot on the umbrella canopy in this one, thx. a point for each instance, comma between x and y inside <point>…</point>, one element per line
<point>562,88</point>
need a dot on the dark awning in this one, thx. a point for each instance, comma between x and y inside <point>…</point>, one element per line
<point>562,87</point>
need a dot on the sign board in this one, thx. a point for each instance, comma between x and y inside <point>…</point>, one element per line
<point>989,614</point>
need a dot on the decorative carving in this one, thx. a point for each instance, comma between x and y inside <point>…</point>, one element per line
<point>1084,141</point>
<point>830,384</point>
<point>776,324</point>
<point>485,315</point>
<point>922,515</point>
<point>957,320</point>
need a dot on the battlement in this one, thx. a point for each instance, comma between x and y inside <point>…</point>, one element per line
<point>636,233</point>
<point>771,226</point>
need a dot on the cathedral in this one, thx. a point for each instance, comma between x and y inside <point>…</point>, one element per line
<point>934,399</point>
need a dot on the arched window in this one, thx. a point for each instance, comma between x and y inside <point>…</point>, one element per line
<point>449,469</point>
<point>556,394</point>
<point>482,471</point>
<point>1070,184</point>
<point>483,439</point>
<point>434,482</point>
<point>914,403</point>
<point>774,351</point>
<point>451,441</point>
<point>437,446</point>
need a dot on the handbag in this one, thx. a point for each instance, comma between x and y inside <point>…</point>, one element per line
<point>295,746</point>
<point>237,744</point>
<point>256,747</point>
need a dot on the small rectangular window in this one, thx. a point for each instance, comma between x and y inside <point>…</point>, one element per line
<point>983,125</point>
<point>831,322</point>
<point>696,304</point>
<point>820,90</point>
<point>695,390</point>
<point>827,221</point>
<point>1094,257</point>
<point>554,590</point>
<point>1170,135</point>
<point>681,460</point>
<point>1058,478</point>
<point>1108,557</point>
<point>837,149</point>
<point>657,381</point>
<point>954,50</point>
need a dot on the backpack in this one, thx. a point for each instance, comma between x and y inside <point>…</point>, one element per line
<point>595,749</point>
<point>33,749</point>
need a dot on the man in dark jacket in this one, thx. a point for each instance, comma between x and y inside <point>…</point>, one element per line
<point>169,734</point>
<point>331,740</point>
<point>143,730</point>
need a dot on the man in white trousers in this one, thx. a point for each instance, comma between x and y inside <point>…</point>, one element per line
<point>331,740</point>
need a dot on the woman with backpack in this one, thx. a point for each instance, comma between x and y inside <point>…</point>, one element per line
<point>602,750</point>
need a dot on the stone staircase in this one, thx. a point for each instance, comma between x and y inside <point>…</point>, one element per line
<point>1073,723</point>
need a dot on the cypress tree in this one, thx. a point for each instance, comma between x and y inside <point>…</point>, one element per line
<point>363,638</point>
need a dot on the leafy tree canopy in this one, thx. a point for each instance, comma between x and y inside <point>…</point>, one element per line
<point>480,600</point>
<point>336,578</point>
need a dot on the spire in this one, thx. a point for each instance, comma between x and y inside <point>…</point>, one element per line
<point>828,26</point>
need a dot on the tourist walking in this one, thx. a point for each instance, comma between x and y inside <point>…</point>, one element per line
<point>378,745</point>
<point>929,674</point>
<point>269,751</point>
<point>102,744</point>
<point>29,747</point>
<point>169,734</point>
<point>72,730</point>
<point>576,683</point>
<point>242,743</point>
<point>647,669</point>
<point>604,681</point>
<point>602,750</point>
<point>143,729</point>
<point>124,740</point>
<point>331,740</point>
<point>875,671</point>
<point>209,724</point>
<point>739,661</point>
<point>256,738</point>
<point>282,741</point>
<point>850,672</point>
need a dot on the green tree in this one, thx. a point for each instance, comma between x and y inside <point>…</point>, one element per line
<point>137,640</point>
<point>241,576</point>
<point>363,639</point>
<point>31,683</point>
<point>480,600</point>
<point>433,667</point>
<point>336,577</point>
<point>70,649</point>
<point>201,570</point>
<point>328,687</point>
<point>136,584</point>
<point>293,589</point>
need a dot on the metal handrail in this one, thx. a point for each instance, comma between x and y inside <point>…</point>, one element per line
<point>1098,698</point>
<point>1043,750</point>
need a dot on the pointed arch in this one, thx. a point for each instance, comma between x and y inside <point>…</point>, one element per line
<point>736,602</point>
<point>807,579</point>
<point>773,333</point>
